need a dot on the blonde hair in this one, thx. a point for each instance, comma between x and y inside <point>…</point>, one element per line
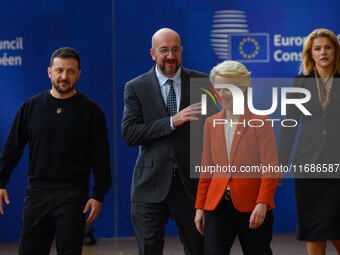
<point>231,69</point>
<point>308,64</point>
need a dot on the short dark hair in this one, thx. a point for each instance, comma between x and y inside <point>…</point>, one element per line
<point>65,52</point>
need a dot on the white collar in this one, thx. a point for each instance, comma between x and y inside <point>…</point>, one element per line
<point>162,79</point>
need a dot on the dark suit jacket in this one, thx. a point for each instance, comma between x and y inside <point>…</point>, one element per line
<point>147,124</point>
<point>320,133</point>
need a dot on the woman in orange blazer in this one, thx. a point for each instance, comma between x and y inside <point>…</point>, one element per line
<point>234,195</point>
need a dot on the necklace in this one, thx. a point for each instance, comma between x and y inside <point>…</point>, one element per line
<point>61,102</point>
<point>324,89</point>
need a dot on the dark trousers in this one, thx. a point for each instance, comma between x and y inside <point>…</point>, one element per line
<point>149,220</point>
<point>225,222</point>
<point>48,213</point>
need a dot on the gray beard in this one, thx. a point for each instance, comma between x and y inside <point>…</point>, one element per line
<point>166,71</point>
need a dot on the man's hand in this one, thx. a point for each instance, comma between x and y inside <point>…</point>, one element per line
<point>199,220</point>
<point>96,207</point>
<point>3,195</point>
<point>258,215</point>
<point>187,114</point>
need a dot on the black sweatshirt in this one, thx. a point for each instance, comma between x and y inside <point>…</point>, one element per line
<point>66,138</point>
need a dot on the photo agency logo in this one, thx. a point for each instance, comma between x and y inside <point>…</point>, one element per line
<point>238,101</point>
<point>210,91</point>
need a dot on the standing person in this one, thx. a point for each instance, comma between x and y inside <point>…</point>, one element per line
<point>236,203</point>
<point>317,199</point>
<point>156,117</point>
<point>67,136</point>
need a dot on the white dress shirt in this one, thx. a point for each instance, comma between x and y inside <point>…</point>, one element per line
<point>229,132</point>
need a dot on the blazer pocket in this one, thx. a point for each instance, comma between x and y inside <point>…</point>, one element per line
<point>144,162</point>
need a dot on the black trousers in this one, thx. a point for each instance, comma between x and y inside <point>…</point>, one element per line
<point>149,221</point>
<point>48,213</point>
<point>225,222</point>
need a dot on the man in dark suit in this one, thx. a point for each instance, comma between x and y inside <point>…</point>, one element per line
<point>156,117</point>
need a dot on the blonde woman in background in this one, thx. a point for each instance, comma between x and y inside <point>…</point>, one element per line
<point>317,195</point>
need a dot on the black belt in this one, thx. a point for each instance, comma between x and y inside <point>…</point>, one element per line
<point>227,195</point>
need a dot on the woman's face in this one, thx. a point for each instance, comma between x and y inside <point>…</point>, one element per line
<point>323,53</point>
<point>225,94</point>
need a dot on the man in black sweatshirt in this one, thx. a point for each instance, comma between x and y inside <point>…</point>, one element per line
<point>67,137</point>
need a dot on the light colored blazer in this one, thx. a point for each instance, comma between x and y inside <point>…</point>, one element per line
<point>251,146</point>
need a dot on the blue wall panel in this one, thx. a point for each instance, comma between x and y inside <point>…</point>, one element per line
<point>88,27</point>
<point>44,27</point>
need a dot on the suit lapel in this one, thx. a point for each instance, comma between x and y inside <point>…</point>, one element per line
<point>313,89</point>
<point>155,92</point>
<point>335,93</point>
<point>315,94</point>
<point>185,89</point>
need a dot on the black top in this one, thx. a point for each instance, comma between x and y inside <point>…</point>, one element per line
<point>316,192</point>
<point>320,136</point>
<point>66,138</point>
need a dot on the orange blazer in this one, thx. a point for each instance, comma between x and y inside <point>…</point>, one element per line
<point>251,146</point>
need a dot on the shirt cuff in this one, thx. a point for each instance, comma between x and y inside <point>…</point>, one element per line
<point>171,124</point>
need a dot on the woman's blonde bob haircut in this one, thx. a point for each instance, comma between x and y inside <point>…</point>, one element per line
<point>308,63</point>
<point>233,70</point>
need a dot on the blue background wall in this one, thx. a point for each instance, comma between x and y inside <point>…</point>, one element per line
<point>113,39</point>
